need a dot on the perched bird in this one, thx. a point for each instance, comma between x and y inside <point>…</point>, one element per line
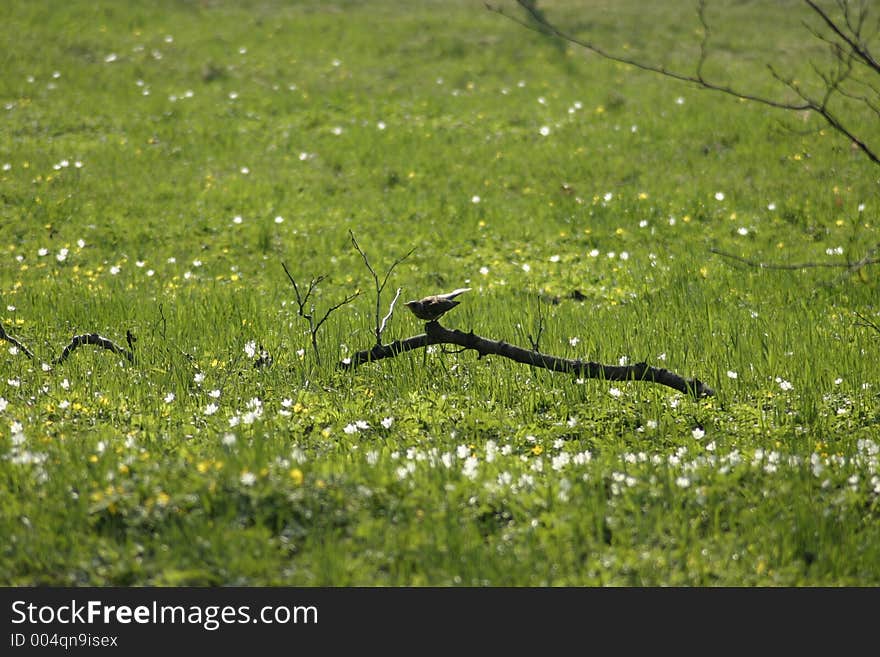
<point>431,308</point>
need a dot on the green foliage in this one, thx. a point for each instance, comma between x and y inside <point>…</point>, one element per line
<point>160,161</point>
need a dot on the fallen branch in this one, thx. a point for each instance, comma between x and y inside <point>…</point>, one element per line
<point>436,334</point>
<point>5,336</point>
<point>98,341</point>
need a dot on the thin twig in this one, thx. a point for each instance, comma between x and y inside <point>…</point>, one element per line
<point>164,335</point>
<point>380,323</point>
<point>545,27</point>
<point>857,48</point>
<point>867,259</point>
<point>536,341</point>
<point>867,322</point>
<point>337,306</point>
<point>302,298</point>
<point>704,42</point>
<point>390,310</point>
<point>164,322</point>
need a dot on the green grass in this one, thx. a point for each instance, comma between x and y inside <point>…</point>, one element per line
<point>186,115</point>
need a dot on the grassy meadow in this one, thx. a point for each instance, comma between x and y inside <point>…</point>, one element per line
<point>159,161</point>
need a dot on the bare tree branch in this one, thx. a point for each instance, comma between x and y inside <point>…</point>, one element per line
<point>852,43</point>
<point>543,26</point>
<point>539,331</point>
<point>437,334</point>
<point>863,99</point>
<point>169,346</point>
<point>855,45</point>
<point>348,299</point>
<point>302,299</point>
<point>704,43</point>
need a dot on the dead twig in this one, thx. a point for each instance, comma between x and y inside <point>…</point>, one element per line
<point>852,40</point>
<point>302,300</point>
<point>536,341</point>
<point>866,322</point>
<point>380,323</point>
<point>390,312</point>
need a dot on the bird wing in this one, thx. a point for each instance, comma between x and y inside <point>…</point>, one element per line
<point>441,303</point>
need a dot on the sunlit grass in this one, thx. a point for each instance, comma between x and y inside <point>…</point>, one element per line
<point>159,164</point>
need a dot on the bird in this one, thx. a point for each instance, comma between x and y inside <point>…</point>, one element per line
<point>431,308</point>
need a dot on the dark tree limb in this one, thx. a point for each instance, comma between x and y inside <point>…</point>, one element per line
<point>541,25</point>
<point>11,340</point>
<point>853,41</point>
<point>436,334</point>
<point>380,351</point>
<point>847,44</point>
<point>98,341</point>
